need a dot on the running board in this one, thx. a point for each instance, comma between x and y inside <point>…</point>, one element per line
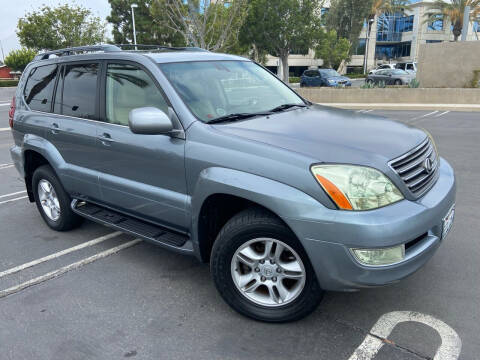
<point>128,224</point>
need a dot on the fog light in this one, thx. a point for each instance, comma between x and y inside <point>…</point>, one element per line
<point>379,257</point>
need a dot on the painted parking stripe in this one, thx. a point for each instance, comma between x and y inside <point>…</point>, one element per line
<point>424,116</point>
<point>4,129</point>
<point>11,200</point>
<point>5,167</point>
<point>59,253</point>
<point>14,193</point>
<point>449,349</point>
<point>5,164</point>
<point>367,111</point>
<point>4,104</point>
<point>443,113</point>
<point>53,274</point>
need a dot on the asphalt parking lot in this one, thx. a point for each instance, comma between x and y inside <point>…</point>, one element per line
<point>142,302</point>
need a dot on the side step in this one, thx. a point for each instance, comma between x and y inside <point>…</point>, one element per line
<point>128,224</point>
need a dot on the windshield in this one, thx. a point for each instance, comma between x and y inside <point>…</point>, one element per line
<point>329,73</point>
<point>215,89</point>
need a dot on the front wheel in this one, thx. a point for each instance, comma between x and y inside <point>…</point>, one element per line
<point>398,82</point>
<point>262,271</point>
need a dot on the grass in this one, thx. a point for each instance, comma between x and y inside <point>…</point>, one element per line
<point>7,83</point>
<point>294,79</point>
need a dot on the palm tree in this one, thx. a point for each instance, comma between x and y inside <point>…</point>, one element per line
<point>454,11</point>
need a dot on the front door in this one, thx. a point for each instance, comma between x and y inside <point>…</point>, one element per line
<point>143,175</point>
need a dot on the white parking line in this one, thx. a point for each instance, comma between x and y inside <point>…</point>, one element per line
<point>6,167</point>
<point>14,193</point>
<point>367,111</point>
<point>4,104</point>
<point>11,200</point>
<point>64,269</point>
<point>443,113</point>
<point>59,253</point>
<point>424,116</point>
<point>5,164</point>
<point>4,129</point>
<point>450,347</point>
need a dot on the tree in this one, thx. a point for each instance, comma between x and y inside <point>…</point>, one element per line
<point>147,30</point>
<point>281,26</point>
<point>17,60</point>
<point>207,24</point>
<point>347,18</point>
<point>60,27</point>
<point>453,11</point>
<point>332,50</point>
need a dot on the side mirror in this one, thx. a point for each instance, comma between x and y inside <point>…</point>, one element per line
<point>149,121</point>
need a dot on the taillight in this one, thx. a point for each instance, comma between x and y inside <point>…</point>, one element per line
<point>11,113</point>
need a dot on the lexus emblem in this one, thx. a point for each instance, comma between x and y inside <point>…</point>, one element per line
<point>427,165</point>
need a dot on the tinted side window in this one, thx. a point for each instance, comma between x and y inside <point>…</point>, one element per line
<point>39,88</point>
<point>129,87</point>
<point>57,102</point>
<point>80,90</point>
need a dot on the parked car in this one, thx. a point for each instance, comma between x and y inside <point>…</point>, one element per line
<point>323,77</point>
<point>382,67</point>
<point>410,67</point>
<point>390,77</point>
<point>211,155</point>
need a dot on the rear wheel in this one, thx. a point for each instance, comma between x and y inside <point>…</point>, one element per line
<point>398,82</point>
<point>52,201</point>
<point>262,271</point>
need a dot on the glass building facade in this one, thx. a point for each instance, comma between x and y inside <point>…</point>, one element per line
<point>391,26</point>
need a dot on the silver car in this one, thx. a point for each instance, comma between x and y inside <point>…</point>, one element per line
<point>391,77</point>
<point>211,155</point>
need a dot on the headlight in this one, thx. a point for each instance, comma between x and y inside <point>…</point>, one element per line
<point>379,257</point>
<point>331,81</point>
<point>356,187</point>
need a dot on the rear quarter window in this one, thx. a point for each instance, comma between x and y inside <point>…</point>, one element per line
<point>39,87</point>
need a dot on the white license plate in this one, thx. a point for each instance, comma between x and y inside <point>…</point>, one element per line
<point>448,222</point>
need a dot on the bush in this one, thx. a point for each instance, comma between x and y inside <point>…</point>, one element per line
<point>414,84</point>
<point>17,60</point>
<point>372,85</point>
<point>6,83</point>
<point>294,79</point>
<point>356,76</point>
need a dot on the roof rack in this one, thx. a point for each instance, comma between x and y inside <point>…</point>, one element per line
<point>147,47</point>
<point>112,48</point>
<point>76,50</point>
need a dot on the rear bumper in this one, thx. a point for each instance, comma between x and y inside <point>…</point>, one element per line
<point>329,238</point>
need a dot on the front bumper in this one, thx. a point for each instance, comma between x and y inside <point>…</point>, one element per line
<point>328,235</point>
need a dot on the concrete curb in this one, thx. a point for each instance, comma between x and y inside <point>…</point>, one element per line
<point>399,106</point>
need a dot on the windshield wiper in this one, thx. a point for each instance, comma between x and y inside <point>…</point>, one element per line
<point>237,116</point>
<point>286,106</point>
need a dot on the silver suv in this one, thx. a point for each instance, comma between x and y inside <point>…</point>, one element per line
<point>213,156</point>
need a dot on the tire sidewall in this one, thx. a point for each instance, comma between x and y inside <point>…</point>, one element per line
<point>224,249</point>
<point>45,172</point>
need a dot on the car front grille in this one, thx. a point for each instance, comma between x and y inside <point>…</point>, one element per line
<point>418,168</point>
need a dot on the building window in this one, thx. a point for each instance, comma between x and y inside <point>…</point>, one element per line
<point>434,41</point>
<point>476,26</point>
<point>436,24</point>
<point>360,48</point>
<point>391,26</point>
<point>393,51</point>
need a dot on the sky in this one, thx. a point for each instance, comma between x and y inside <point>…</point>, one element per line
<point>12,10</point>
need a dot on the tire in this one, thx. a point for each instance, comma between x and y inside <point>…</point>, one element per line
<point>66,219</point>
<point>244,228</point>
<point>398,82</point>
<point>369,81</point>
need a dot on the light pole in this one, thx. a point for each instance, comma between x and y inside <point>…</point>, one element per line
<point>133,6</point>
<point>367,44</point>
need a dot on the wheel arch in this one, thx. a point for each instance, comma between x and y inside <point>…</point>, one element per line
<point>227,192</point>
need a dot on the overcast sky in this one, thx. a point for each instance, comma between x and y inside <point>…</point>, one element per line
<point>12,10</point>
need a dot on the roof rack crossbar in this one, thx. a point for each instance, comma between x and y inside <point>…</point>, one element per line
<point>139,47</point>
<point>77,49</point>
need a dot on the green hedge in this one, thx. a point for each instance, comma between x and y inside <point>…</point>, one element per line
<point>5,83</point>
<point>294,79</point>
<point>356,76</point>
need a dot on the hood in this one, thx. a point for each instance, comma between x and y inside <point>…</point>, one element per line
<point>330,135</point>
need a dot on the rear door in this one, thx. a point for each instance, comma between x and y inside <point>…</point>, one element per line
<point>72,127</point>
<point>143,175</point>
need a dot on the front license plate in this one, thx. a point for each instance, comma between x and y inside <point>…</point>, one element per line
<point>448,222</point>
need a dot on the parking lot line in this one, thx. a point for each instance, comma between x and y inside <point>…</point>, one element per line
<point>443,113</point>
<point>423,116</point>
<point>5,164</point>
<point>5,167</point>
<point>59,253</point>
<point>64,269</point>
<point>11,200</point>
<point>4,129</point>
<point>4,104</point>
<point>14,193</point>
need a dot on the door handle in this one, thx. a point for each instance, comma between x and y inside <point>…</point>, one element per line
<point>54,128</point>
<point>106,139</point>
